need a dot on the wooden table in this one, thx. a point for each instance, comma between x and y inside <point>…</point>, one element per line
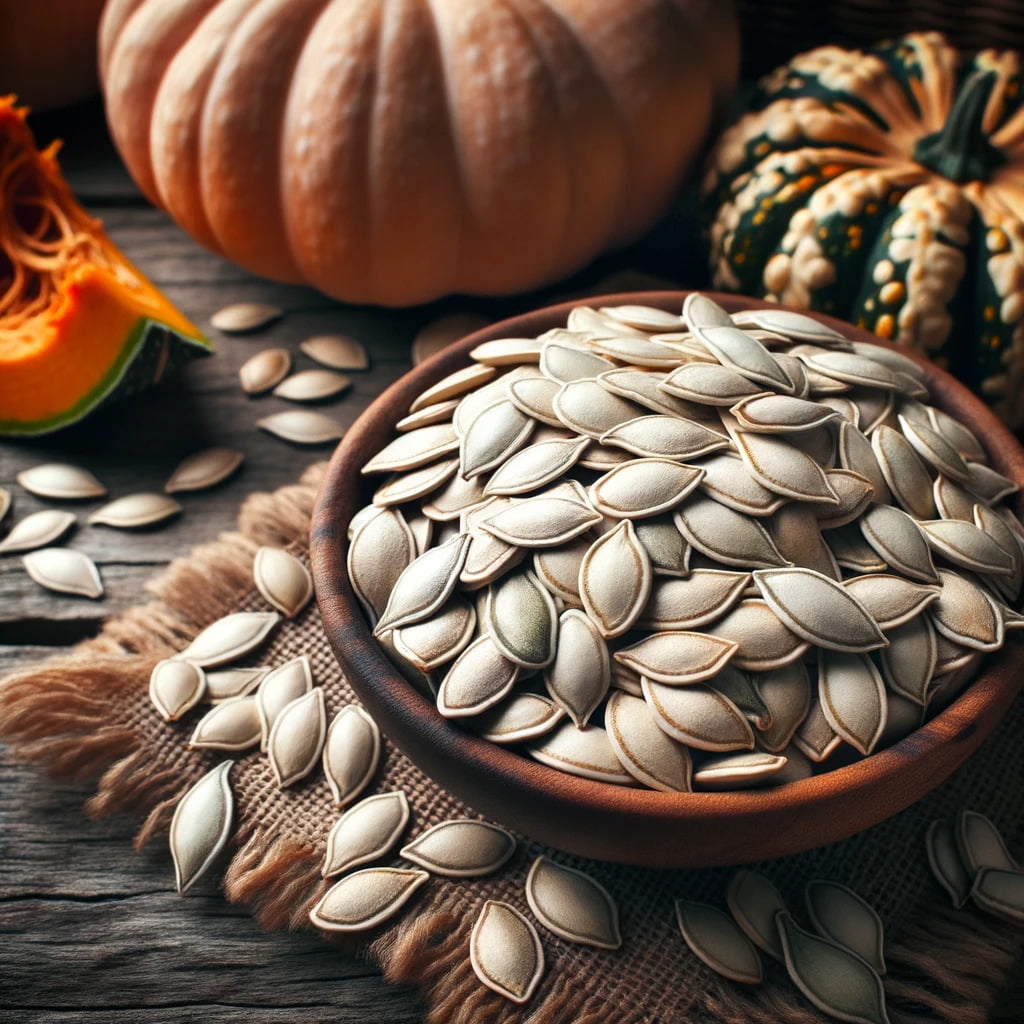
<point>90,931</point>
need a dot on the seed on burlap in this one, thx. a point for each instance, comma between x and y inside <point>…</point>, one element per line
<point>232,725</point>
<point>232,682</point>
<point>351,753</point>
<point>981,844</point>
<point>587,753</point>
<point>1000,892</point>
<point>201,826</point>
<point>64,571</point>
<point>264,370</point>
<point>839,914</point>
<point>338,351</point>
<point>297,737</point>
<point>754,901</point>
<point>366,898</point>
<point>505,951</point>
<point>229,637</point>
<point>132,511</point>
<point>175,687</point>
<point>204,469</point>
<point>242,317</point>
<point>302,426</point>
<point>282,580</point>
<point>461,848</point>
<point>37,530</point>
<point>716,939</point>
<point>739,771</point>
<point>852,696</point>
<point>698,716</point>
<point>946,863</point>
<point>572,904</point>
<point>645,750</point>
<point>366,831</point>
<point>313,385</point>
<point>835,980</point>
<point>279,688</point>
<point>60,481</point>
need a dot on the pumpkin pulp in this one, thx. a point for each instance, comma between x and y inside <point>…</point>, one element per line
<point>74,312</point>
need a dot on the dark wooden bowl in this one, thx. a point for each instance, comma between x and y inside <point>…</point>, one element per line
<point>638,826</point>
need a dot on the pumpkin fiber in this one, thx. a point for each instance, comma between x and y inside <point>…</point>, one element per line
<point>886,187</point>
<point>394,151</point>
<point>79,325</point>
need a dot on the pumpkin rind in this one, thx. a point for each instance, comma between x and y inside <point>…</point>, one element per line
<point>393,152</point>
<point>820,197</point>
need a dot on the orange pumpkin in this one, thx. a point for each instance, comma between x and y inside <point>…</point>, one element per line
<point>393,151</point>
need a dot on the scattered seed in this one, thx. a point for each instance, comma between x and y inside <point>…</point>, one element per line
<point>312,385</point>
<point>133,511</point>
<point>204,469</point>
<point>981,844</point>
<point>282,580</point>
<point>945,862</point>
<point>232,725</point>
<point>264,370</point>
<point>505,952</point>
<point>366,898</point>
<point>65,571</point>
<point>232,682</point>
<point>366,831</point>
<point>1001,892</point>
<point>297,737</point>
<point>718,941</point>
<point>201,826</point>
<point>461,848</point>
<point>302,426</point>
<point>754,901</point>
<point>351,753</point>
<point>60,481</point>
<point>175,687</point>
<point>336,351</point>
<point>839,914</point>
<point>37,530</point>
<point>242,317</point>
<point>279,688</point>
<point>228,638</point>
<point>572,904</point>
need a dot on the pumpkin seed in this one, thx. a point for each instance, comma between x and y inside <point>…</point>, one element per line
<point>381,549</point>
<point>65,571</point>
<point>644,388</point>
<point>408,486</point>
<point>637,351</point>
<point>228,638</point>
<point>541,522</point>
<point>786,694</point>
<point>572,904</point>
<point>37,530</point>
<point>839,914</point>
<point>980,844</point>
<point>797,535</point>
<point>615,580</point>
<point>281,686</point>
<point>815,736</point>
<point>856,453</point>
<point>793,325</point>
<point>625,679</point>
<point>264,370</point>
<point>717,940</point>
<point>580,674</point>
<point>302,426</point>
<point>845,407</point>
<point>232,682</point>
<point>698,716</point>
<point>835,980</point>
<point>754,901</point>
<point>438,639</point>
<point>351,753</point>
<point>935,449</point>
<point>728,481</point>
<point>336,351</point>
<point>773,414</point>
<point>564,363</point>
<point>505,952</point>
<point>853,368</point>
<point>951,500</point>
<point>988,484</point>
<point>488,558</point>
<point>282,580</point>
<point>763,641</point>
<point>457,383</point>
<point>414,448</point>
<point>558,569</point>
<point>783,468</point>
<point>480,677</point>
<point>132,511</point>
<point>904,472</point>
<point>644,487</point>
<point>535,397</point>
<point>507,352</point>
<point>439,334</point>
<point>60,481</point>
<point>944,860</point>
<point>852,697</point>
<point>740,351</point>
<point>702,597</point>
<point>908,663</point>
<point>175,687</point>
<point>201,826</point>
<point>521,716</point>
<point>232,725</point>
<point>439,412</point>
<point>366,831</point>
<point>966,615</point>
<point>874,408</point>
<point>366,898</point>
<point>677,656</point>
<point>493,436</point>
<point>966,545</point>
<point>242,317</point>
<point>586,753</point>
<point>959,436</point>
<point>644,318</point>
<point>648,753</point>
<point>455,497</point>
<point>1001,893</point>
<point>588,408</point>
<point>461,848</point>
<point>312,385</point>
<point>665,437</point>
<point>701,311</point>
<point>739,771</point>
<point>710,384</point>
<point>534,466</point>
<point>899,541</point>
<point>204,469</point>
<point>422,530</point>
<point>667,550</point>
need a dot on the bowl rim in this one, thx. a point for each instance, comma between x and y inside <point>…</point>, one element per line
<point>967,719</point>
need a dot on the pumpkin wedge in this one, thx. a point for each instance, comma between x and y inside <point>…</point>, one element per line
<point>79,325</point>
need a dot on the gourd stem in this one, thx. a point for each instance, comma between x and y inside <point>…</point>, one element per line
<point>960,150</point>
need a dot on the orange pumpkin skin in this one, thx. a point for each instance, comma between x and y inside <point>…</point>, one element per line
<point>393,151</point>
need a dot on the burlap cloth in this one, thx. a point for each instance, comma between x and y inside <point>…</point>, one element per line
<point>89,714</point>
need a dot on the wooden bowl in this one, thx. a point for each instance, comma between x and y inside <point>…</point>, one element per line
<point>615,823</point>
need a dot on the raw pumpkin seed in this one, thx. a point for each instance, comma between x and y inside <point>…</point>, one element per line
<point>774,414</point>
<point>228,638</point>
<point>351,753</point>
<point>889,599</point>
<point>380,550</point>
<point>312,385</point>
<point>981,844</point>
<point>710,384</point>
<point>726,535</point>
<point>297,737</point>
<point>839,914</point>
<point>175,687</point>
<point>232,682</point>
<point>37,530</point>
<point>366,898</point>
<point>588,408</point>
<point>1000,892</point>
<point>665,437</point>
<point>796,532</point>
<point>204,469</point>
<point>904,472</point>
<point>852,368</point>
<point>677,657</point>
<point>740,351</point>
<point>65,571</point>
<point>908,663</point>
<point>279,688</point>
<point>132,511</point>
<point>644,388</point>
<point>637,351</point>
<point>615,580</point>
<point>644,487</point>
<point>856,453</point>
<point>282,580</point>
<point>457,383</point>
<point>302,426</point>
<point>852,697</point>
<point>521,716</point>
<point>541,522</point>
<point>739,688</point>
<point>898,540</point>
<point>692,602</point>
<point>666,548</point>
<point>493,436</point>
<point>786,693</point>
<point>439,334</point>
<point>507,352</point>
<point>727,480</point>
<point>762,641</point>
<point>698,716</point>
<point>535,397</point>
<point>480,677</point>
<point>523,619</point>
<point>264,370</point>
<point>587,753</point>
<point>60,481</point>
<point>242,317</point>
<point>644,318</point>
<point>232,724</point>
<point>645,750</point>
<point>754,901</point>
<point>488,558</point>
<point>794,325</point>
<point>936,450</point>
<point>944,860</point>
<point>366,831</point>
<point>966,545</point>
<point>438,639</point>
<point>535,466</point>
<point>579,677</point>
<point>717,940</point>
<point>700,311</point>
<point>336,351</point>
<point>403,487</point>
<point>439,412</point>
<point>201,826</point>
<point>564,363</point>
<point>572,904</point>
<point>505,952</point>
<point>461,848</point>
<point>739,771</point>
<point>815,735</point>
<point>783,468</point>
<point>413,449</point>
<point>966,615</point>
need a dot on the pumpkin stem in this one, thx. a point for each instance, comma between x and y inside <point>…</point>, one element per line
<point>960,150</point>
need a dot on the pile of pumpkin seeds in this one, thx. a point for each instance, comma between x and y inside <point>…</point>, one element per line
<point>687,550</point>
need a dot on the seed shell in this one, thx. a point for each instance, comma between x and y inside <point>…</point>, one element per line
<point>302,426</point>
<point>763,641</point>
<point>535,466</point>
<point>413,449</point>
<point>710,384</point>
<point>702,597</point>
<point>728,481</point>
<point>677,657</point>
<point>667,549</point>
<point>588,408</point>
<point>908,663</point>
<point>645,750</point>
<point>966,615</point>
<point>645,388</point>
<point>772,414</point>
<point>242,317</point>
<point>312,385</point>
<point>201,826</point>
<point>644,487</point>
<point>366,898</point>
<point>522,716</point>
<point>726,535</point>
<point>337,351</point>
<point>579,677</point>
<point>586,753</point>
<point>461,848</point>
<point>436,640</point>
<point>492,437</point>
<point>745,770</point>
<point>64,571</point>
<point>232,682</point>
<point>60,481</point>
<point>700,311</point>
<point>565,363</point>
<point>665,437</point>
<point>718,941</point>
<point>988,484</point>
<point>541,522</point>
<point>944,860</point>
<point>229,637</point>
<point>279,688</point>
<point>380,550</point>
<point>264,370</point>
<point>297,737</point>
<point>754,901</point>
<point>351,753</point>
<point>839,914</point>
<point>698,716</point>
<point>898,540</point>
<point>439,412</point>
<point>852,697</point>
<point>523,619</point>
<point>737,349</point>
<point>405,487</point>
<point>966,545</point>
<point>889,599</point>
<point>366,831</point>
<point>457,383</point>
<point>507,352</point>
<point>781,467</point>
<point>981,844</point>
<point>904,472</point>
<point>175,687</point>
<point>535,397</point>
<point>480,677</point>
<point>132,511</point>
<point>204,469</point>
<point>815,736</point>
<point>572,904</point>
<point>232,725</point>
<point>37,530</point>
<point>505,952</point>
<point>282,580</point>
<point>615,580</point>
<point>644,318</point>
<point>1000,892</point>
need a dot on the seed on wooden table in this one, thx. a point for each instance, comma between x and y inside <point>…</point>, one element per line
<point>461,848</point>
<point>337,351</point>
<point>852,697</point>
<point>366,831</point>
<point>312,385</point>
<point>839,914</point>
<point>297,737</point>
<point>719,942</point>
<point>60,481</point>
<point>645,750</point>
<point>242,317</point>
<point>366,898</point>
<point>745,770</point>
<point>279,688</point>
<point>615,580</point>
<point>944,860</point>
<point>1000,892</point>
<point>505,952</point>
<point>133,511</point>
<point>302,426</point>
<point>981,844</point>
<point>65,571</point>
<point>228,638</point>
<point>175,687</point>
<point>572,904</point>
<point>586,753</point>
<point>232,682</point>
<point>204,469</point>
<point>282,580</point>
<point>754,901</point>
<point>201,826</point>
<point>37,530</point>
<point>231,725</point>
<point>351,753</point>
<point>264,370</point>
<point>698,716</point>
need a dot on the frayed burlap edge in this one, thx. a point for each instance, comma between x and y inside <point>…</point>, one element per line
<point>949,967</point>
